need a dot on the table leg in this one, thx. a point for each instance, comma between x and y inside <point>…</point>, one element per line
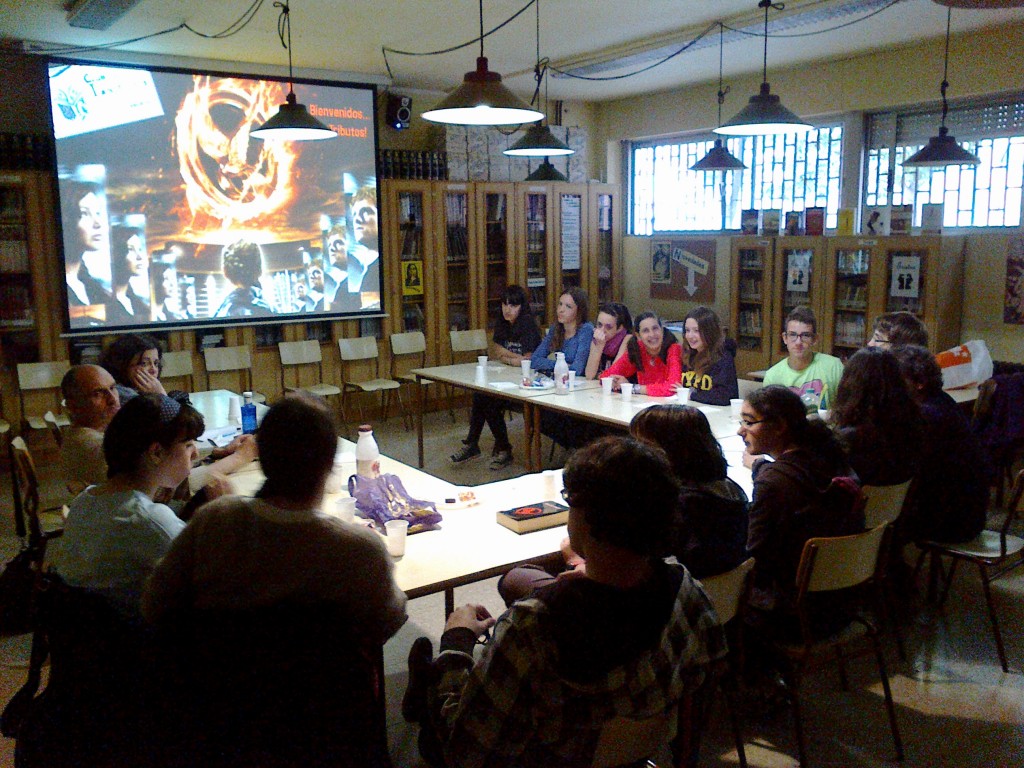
<point>531,419</point>
<point>419,420</point>
<point>449,602</point>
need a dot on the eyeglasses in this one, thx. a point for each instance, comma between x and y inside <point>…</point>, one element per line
<point>805,337</point>
<point>748,423</point>
<point>565,496</point>
<point>878,339</point>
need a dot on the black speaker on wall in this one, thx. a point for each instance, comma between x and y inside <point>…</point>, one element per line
<point>399,111</point>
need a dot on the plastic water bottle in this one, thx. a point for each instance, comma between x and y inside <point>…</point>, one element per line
<point>561,374</point>
<point>248,414</point>
<point>367,453</point>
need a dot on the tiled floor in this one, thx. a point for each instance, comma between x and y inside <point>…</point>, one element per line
<point>956,708</point>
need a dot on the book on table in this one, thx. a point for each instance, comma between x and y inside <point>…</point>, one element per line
<point>534,517</point>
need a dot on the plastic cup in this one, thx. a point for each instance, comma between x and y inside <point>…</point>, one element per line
<point>735,406</point>
<point>606,386</point>
<point>527,372</point>
<point>396,531</point>
<point>481,374</point>
<point>481,360</point>
<point>683,395</point>
<point>572,380</point>
<point>551,484</point>
<point>235,410</point>
<point>627,390</point>
<point>346,508</point>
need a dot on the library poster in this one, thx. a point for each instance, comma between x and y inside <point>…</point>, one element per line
<point>412,278</point>
<point>683,269</point>
<point>1013,304</point>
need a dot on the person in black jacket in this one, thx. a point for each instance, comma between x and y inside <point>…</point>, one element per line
<point>709,529</point>
<point>709,359</point>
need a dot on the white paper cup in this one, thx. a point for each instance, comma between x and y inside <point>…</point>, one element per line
<point>572,380</point>
<point>627,390</point>
<point>606,386</point>
<point>396,531</point>
<point>527,372</point>
<point>683,395</point>
<point>346,508</point>
<point>552,484</point>
<point>481,374</point>
<point>235,410</point>
<point>481,360</point>
<point>735,406</point>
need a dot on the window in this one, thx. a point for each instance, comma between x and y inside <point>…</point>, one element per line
<point>789,173</point>
<point>987,195</point>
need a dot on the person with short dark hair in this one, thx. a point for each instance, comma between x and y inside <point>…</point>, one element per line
<point>516,336</point>
<point>949,502</point>
<point>709,529</point>
<point>876,419</point>
<point>629,638</point>
<point>135,361</point>
<point>709,359</point>
<point>805,370</point>
<point>611,334</point>
<point>895,329</point>
<point>243,266</point>
<point>115,533</point>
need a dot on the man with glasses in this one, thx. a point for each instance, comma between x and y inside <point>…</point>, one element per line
<point>804,370</point>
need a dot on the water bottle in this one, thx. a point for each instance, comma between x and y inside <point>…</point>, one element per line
<point>561,374</point>
<point>367,453</point>
<point>248,414</point>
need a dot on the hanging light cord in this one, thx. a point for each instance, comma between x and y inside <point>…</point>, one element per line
<point>945,71</point>
<point>768,5</point>
<point>284,33</point>
<point>722,91</point>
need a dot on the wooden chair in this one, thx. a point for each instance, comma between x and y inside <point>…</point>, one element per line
<point>828,564</point>
<point>221,359</point>
<point>45,524</point>
<point>41,379</point>
<point>363,350</point>
<point>995,553</point>
<point>464,343</point>
<point>304,354</point>
<point>727,592</point>
<point>177,365</point>
<point>408,351</point>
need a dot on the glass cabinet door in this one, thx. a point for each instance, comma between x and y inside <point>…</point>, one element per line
<point>535,222</point>
<point>411,253</point>
<point>798,281</point>
<point>495,206</point>
<point>570,226</point>
<point>850,300</point>
<point>604,248</point>
<point>751,316</point>
<point>457,263</point>
<point>905,279</point>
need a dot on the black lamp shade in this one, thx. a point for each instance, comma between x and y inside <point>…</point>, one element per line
<point>482,100</point>
<point>764,115</point>
<point>718,158</point>
<point>940,151</point>
<point>293,123</point>
<point>539,141</point>
<point>546,172</point>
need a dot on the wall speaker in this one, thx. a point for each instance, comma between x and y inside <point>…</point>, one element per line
<point>399,112</point>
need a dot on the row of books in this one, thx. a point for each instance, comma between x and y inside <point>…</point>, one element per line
<point>458,243</point>
<point>810,221</point>
<point>750,289</point>
<point>412,164</point>
<point>16,304</point>
<point>12,204</point>
<point>13,256</point>
<point>750,259</point>
<point>849,329</point>
<point>535,237</point>
<point>852,296</point>
<point>853,262</point>
<point>750,322</point>
<point>25,152</point>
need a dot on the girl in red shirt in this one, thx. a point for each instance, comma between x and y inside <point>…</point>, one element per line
<point>653,356</point>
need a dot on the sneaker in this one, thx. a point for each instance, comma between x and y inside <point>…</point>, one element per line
<point>502,458</point>
<point>421,674</point>
<point>465,454</point>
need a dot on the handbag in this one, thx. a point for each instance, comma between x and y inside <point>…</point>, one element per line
<point>384,498</point>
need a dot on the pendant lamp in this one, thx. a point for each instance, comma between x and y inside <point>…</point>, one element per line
<point>292,121</point>
<point>764,114</point>
<point>482,99</point>
<point>942,150</point>
<point>546,172</point>
<point>719,158</point>
<point>539,141</point>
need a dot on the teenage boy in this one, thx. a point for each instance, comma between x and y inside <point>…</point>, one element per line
<point>805,370</point>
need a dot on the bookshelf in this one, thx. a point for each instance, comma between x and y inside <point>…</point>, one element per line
<point>750,322</point>
<point>799,281</point>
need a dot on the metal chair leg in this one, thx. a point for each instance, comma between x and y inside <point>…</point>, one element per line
<point>890,706</point>
<point>993,618</point>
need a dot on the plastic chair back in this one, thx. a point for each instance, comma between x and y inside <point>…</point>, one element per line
<point>625,741</point>
<point>410,343</point>
<point>360,348</point>
<point>839,562</point>
<point>299,352</point>
<point>175,365</point>
<point>884,502</point>
<point>473,340</point>
<point>726,590</point>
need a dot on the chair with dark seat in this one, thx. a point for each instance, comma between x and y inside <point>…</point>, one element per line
<point>43,524</point>
<point>998,421</point>
<point>830,564</point>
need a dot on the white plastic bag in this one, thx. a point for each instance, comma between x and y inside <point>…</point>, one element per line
<point>965,366</point>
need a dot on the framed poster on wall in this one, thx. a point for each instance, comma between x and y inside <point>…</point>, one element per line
<point>683,269</point>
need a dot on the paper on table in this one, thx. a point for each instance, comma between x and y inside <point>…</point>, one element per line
<point>503,385</point>
<point>220,436</point>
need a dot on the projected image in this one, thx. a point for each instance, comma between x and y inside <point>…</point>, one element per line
<point>172,213</point>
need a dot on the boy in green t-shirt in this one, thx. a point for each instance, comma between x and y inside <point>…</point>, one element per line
<point>805,370</point>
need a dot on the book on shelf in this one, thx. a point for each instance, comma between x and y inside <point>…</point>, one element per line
<point>931,219</point>
<point>534,517</point>
<point>875,220</point>
<point>748,221</point>
<point>794,223</point>
<point>844,221</point>
<point>814,221</point>
<point>770,219</point>
<point>901,219</point>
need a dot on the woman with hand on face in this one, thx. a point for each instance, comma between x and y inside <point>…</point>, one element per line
<point>516,336</point>
<point>709,359</point>
<point>652,356</point>
<point>571,333</point>
<point>611,332</point>
<point>134,361</point>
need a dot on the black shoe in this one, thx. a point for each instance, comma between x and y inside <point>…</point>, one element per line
<point>465,454</point>
<point>501,459</point>
<point>421,674</point>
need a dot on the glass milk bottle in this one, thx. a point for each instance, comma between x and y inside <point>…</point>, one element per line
<point>561,374</point>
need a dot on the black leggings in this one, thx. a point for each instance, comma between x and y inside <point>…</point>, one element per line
<point>492,411</point>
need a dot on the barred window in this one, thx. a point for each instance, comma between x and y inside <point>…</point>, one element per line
<point>789,173</point>
<point>987,195</point>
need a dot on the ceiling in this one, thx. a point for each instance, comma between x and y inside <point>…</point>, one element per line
<point>342,40</point>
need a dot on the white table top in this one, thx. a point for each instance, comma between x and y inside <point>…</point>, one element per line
<point>499,379</point>
<point>470,545</point>
<point>213,404</point>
